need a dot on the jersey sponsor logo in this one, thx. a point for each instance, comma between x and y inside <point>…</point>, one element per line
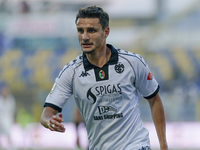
<point>149,77</point>
<point>111,98</point>
<point>91,95</point>
<point>106,90</point>
<point>53,88</point>
<point>105,109</point>
<point>84,74</point>
<point>103,117</point>
<point>119,68</point>
<point>101,74</point>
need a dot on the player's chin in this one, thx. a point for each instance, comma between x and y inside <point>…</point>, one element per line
<point>88,51</point>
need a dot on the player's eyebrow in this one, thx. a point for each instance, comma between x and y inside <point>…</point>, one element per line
<point>87,28</point>
<point>79,28</point>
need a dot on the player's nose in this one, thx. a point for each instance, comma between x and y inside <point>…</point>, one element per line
<point>85,36</point>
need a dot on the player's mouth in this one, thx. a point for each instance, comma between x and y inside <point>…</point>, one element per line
<point>87,45</point>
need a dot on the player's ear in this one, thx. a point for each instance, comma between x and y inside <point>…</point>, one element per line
<point>107,31</point>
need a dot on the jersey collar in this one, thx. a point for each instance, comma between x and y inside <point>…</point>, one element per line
<point>113,59</point>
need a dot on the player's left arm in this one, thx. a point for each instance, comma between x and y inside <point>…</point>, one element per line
<point>158,116</point>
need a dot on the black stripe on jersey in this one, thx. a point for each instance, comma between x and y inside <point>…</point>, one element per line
<point>136,57</point>
<point>53,106</point>
<point>154,94</point>
<point>67,66</point>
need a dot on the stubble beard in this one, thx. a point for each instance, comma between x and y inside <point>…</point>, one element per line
<point>89,52</point>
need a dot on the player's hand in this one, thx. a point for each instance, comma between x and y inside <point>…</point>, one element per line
<point>55,123</point>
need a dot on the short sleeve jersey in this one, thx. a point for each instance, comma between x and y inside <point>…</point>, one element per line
<point>107,98</point>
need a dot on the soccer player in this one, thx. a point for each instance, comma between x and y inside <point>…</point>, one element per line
<point>105,83</point>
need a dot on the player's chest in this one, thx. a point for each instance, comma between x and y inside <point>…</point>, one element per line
<point>106,82</point>
<point>108,74</point>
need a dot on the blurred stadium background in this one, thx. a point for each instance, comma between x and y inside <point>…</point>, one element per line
<point>38,37</point>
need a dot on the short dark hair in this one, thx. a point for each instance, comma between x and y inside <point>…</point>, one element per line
<point>94,12</point>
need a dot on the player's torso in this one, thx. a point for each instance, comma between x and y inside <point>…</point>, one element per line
<point>104,91</point>
<point>108,101</point>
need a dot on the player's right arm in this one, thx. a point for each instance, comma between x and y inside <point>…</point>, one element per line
<point>49,117</point>
<point>56,99</point>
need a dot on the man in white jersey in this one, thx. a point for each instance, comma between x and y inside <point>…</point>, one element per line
<point>105,82</point>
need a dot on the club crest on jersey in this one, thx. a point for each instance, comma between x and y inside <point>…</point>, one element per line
<point>101,74</point>
<point>149,77</point>
<point>119,68</point>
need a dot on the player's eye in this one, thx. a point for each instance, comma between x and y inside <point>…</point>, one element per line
<point>91,30</point>
<point>80,30</point>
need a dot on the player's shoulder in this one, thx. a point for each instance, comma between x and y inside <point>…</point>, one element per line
<point>132,57</point>
<point>75,62</point>
<point>72,65</point>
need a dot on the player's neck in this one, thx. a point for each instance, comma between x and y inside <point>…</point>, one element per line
<point>99,58</point>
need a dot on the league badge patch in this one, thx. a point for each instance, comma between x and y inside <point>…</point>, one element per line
<point>53,88</point>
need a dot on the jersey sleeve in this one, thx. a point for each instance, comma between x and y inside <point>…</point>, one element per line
<point>145,82</point>
<point>61,90</point>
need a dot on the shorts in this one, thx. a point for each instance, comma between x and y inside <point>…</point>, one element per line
<point>145,148</point>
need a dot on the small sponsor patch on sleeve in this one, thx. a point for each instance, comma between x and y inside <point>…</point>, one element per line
<point>53,88</point>
<point>149,77</point>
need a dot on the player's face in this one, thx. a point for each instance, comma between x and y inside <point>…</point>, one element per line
<point>91,35</point>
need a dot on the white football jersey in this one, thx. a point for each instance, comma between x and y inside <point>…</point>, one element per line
<point>107,98</point>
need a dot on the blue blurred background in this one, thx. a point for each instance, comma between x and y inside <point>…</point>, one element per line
<point>38,37</point>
